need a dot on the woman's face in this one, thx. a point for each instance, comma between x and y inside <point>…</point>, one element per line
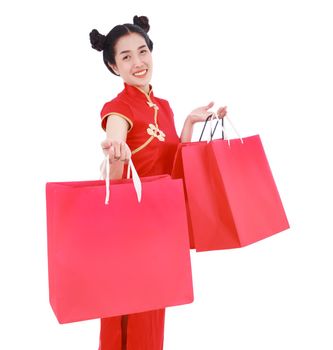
<point>133,61</point>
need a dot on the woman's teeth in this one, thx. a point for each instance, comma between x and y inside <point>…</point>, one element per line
<point>143,72</point>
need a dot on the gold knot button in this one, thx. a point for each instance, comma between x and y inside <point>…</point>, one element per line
<point>153,105</point>
<point>153,130</point>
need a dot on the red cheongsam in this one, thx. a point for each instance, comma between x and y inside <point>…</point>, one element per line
<point>153,141</point>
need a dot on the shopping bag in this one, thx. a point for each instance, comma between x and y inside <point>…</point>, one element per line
<point>118,258</point>
<point>178,173</point>
<point>231,194</point>
<point>198,199</point>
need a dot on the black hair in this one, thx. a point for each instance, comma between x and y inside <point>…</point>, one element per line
<point>106,43</point>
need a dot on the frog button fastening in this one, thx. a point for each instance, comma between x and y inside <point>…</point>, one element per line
<point>151,104</point>
<point>153,130</point>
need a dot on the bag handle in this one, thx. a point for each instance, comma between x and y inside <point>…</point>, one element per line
<point>234,128</point>
<point>212,132</point>
<point>105,175</point>
<point>224,133</point>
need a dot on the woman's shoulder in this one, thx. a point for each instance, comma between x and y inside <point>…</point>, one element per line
<point>162,100</point>
<point>116,105</point>
<point>163,103</point>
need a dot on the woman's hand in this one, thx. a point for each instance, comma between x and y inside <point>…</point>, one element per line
<point>117,151</point>
<point>200,114</point>
<point>221,112</point>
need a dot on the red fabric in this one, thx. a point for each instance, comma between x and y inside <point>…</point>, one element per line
<point>157,157</point>
<point>232,196</point>
<point>111,333</point>
<point>145,331</point>
<point>102,264</point>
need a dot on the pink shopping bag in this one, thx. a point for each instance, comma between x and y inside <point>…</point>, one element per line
<point>232,198</point>
<point>121,258</point>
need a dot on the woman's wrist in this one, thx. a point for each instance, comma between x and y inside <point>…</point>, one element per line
<point>190,120</point>
<point>186,134</point>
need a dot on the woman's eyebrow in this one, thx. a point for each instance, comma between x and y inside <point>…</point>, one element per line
<point>141,47</point>
<point>127,51</point>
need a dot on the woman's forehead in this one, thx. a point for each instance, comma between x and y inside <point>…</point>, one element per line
<point>130,42</point>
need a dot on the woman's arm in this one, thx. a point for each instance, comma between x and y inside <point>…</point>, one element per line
<point>186,134</point>
<point>115,145</point>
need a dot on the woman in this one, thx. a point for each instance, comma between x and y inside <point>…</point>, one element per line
<point>141,126</point>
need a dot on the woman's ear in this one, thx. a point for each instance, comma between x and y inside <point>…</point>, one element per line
<point>114,68</point>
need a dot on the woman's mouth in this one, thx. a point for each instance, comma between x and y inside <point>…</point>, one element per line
<point>140,73</point>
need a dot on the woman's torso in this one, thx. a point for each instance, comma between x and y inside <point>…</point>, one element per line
<point>152,136</point>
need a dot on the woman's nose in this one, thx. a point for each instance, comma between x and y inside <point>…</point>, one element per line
<point>137,61</point>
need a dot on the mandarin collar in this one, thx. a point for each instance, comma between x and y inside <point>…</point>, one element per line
<point>137,92</point>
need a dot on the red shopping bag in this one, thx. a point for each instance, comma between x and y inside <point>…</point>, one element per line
<point>231,193</point>
<point>121,258</point>
<point>178,173</point>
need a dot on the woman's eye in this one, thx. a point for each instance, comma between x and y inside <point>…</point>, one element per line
<point>143,51</point>
<point>126,58</point>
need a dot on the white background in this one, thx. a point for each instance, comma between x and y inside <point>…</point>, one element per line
<point>270,62</point>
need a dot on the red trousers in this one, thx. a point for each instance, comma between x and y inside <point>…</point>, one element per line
<point>141,331</point>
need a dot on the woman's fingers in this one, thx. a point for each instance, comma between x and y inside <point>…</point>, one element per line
<point>111,154</point>
<point>105,146</point>
<point>124,151</point>
<point>221,109</point>
<point>117,150</point>
<point>210,105</point>
<point>202,113</point>
<point>123,148</point>
<point>221,112</point>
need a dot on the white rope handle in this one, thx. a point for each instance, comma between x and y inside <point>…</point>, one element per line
<point>105,175</point>
<point>214,116</point>
<point>233,127</point>
<point>136,179</point>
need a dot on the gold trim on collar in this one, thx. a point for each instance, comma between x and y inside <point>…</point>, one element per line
<point>153,129</point>
<point>144,92</point>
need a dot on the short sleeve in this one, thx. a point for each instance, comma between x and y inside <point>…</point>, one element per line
<point>119,109</point>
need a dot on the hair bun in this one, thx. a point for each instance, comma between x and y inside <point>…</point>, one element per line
<point>142,22</point>
<point>97,40</point>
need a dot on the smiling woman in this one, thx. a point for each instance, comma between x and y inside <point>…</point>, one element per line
<point>133,61</point>
<point>141,126</point>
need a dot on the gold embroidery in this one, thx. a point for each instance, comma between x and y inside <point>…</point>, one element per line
<point>156,132</point>
<point>151,104</point>
<point>153,130</point>
<point>143,145</point>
